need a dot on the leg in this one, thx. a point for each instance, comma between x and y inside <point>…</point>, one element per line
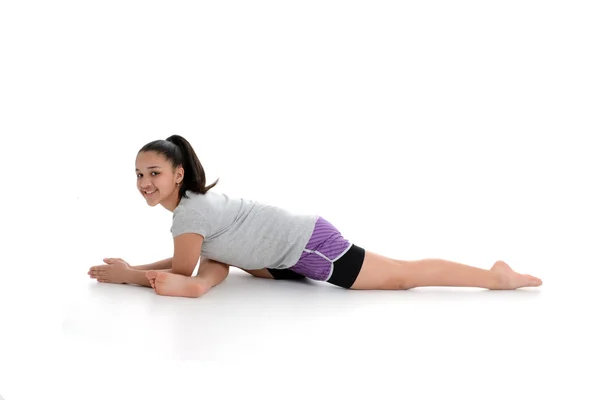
<point>168,284</point>
<point>210,274</point>
<point>277,274</point>
<point>259,273</point>
<point>379,272</point>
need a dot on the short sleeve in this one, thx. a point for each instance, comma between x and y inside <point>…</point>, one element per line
<point>190,221</point>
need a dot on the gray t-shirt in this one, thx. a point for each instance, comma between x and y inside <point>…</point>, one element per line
<point>243,233</point>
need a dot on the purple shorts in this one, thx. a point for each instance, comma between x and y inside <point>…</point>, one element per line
<point>329,257</point>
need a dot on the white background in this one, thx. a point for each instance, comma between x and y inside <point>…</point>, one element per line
<point>460,130</point>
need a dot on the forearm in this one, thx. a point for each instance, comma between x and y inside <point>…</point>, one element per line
<point>138,277</point>
<point>159,265</point>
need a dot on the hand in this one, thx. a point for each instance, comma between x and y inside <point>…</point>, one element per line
<point>115,271</point>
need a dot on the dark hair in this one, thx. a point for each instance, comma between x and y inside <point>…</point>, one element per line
<point>179,152</point>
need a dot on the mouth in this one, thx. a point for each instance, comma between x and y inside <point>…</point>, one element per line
<point>150,194</point>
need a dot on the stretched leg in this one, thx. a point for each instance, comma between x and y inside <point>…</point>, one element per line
<point>379,272</point>
<point>277,274</point>
<point>210,273</point>
<point>169,284</point>
<point>259,273</point>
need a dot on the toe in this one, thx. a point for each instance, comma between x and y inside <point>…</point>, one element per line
<point>151,274</point>
<point>535,281</point>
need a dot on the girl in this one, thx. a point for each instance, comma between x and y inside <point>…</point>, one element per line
<point>265,241</point>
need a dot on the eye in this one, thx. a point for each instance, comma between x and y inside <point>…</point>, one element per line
<point>153,172</point>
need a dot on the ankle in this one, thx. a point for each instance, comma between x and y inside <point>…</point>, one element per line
<point>498,280</point>
<point>200,289</point>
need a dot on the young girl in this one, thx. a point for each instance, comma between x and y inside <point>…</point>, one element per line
<point>265,241</point>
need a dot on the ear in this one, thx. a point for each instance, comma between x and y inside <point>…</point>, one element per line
<point>179,173</point>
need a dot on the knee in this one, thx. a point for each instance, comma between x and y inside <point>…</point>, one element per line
<point>403,285</point>
<point>398,283</point>
<point>400,280</point>
<point>405,281</point>
<point>408,278</point>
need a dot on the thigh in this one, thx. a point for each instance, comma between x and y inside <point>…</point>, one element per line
<point>379,272</point>
<point>357,268</point>
<point>259,273</point>
<point>277,274</point>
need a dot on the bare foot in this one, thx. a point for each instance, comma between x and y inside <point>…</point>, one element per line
<point>151,275</point>
<point>167,284</point>
<point>510,279</point>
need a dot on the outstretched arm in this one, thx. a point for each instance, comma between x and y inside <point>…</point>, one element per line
<point>117,270</point>
<point>159,265</point>
<point>210,274</point>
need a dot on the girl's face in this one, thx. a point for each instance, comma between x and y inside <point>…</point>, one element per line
<point>156,179</point>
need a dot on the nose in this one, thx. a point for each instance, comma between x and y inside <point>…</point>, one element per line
<point>145,183</point>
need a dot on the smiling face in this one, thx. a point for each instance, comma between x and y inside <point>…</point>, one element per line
<point>157,180</point>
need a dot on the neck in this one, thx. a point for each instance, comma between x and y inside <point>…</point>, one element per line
<point>171,202</point>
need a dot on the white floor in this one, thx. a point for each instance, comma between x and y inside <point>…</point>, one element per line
<point>292,339</point>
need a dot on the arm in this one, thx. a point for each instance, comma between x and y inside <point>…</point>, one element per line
<point>187,249</point>
<point>162,264</point>
<point>212,272</point>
